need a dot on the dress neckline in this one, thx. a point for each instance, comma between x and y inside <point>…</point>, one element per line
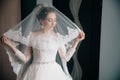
<point>46,37</point>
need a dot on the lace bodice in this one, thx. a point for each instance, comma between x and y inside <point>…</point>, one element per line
<point>44,48</point>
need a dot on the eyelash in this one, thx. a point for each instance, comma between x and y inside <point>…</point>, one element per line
<point>51,20</point>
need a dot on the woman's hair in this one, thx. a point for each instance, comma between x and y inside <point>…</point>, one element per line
<point>44,12</point>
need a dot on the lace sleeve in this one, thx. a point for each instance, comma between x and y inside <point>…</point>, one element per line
<point>23,57</point>
<point>66,54</point>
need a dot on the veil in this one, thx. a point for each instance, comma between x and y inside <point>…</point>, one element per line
<point>19,35</point>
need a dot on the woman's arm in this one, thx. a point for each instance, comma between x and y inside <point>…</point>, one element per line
<point>23,57</point>
<point>67,55</point>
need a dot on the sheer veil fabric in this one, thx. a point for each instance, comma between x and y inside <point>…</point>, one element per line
<point>19,35</point>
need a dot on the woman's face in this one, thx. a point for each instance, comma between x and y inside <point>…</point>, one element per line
<point>50,21</point>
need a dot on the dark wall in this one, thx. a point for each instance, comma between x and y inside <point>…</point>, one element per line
<point>90,18</point>
<point>26,7</point>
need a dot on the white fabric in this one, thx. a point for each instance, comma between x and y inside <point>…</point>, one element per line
<point>59,43</point>
<point>44,66</point>
<point>21,56</point>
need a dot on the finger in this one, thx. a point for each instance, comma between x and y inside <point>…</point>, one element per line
<point>5,39</point>
<point>79,36</point>
<point>83,35</point>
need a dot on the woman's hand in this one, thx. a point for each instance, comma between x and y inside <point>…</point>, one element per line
<point>6,41</point>
<point>80,37</point>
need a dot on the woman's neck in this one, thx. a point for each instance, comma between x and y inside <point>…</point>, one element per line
<point>46,31</point>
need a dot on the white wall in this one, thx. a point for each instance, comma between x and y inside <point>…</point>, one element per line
<point>110,41</point>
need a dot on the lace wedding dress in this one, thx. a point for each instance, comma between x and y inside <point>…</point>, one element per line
<point>44,65</point>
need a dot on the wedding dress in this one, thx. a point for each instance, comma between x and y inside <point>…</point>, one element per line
<point>44,65</point>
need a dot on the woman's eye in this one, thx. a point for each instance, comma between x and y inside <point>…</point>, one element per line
<point>49,20</point>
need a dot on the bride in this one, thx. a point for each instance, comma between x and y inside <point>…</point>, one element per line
<point>34,43</point>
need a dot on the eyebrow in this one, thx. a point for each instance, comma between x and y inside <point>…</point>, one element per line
<point>50,18</point>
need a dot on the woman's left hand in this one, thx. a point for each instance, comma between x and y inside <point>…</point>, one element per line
<point>80,37</point>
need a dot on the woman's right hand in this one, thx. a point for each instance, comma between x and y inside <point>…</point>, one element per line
<point>5,40</point>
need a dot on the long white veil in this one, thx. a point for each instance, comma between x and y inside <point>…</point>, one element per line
<point>20,36</point>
